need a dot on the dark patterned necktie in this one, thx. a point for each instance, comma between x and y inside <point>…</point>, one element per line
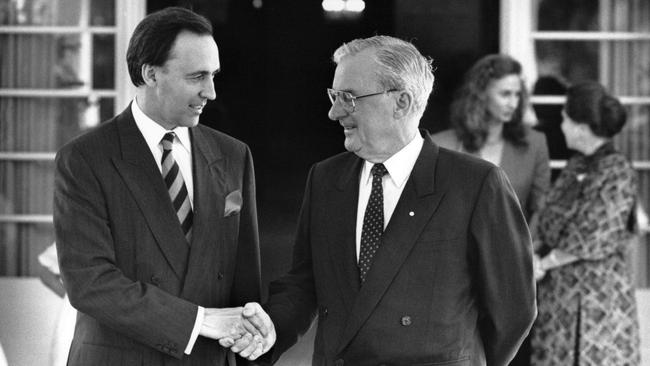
<point>373,222</point>
<point>176,186</point>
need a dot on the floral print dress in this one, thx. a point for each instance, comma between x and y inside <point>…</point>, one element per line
<point>587,310</point>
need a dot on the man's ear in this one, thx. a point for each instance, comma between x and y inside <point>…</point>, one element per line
<point>403,104</point>
<point>149,74</point>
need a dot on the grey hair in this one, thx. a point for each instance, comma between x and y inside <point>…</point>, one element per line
<point>401,66</point>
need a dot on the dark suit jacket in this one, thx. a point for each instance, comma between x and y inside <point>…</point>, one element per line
<point>528,168</point>
<point>451,284</point>
<point>126,265</point>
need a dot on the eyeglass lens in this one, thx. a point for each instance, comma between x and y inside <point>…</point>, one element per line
<point>346,98</point>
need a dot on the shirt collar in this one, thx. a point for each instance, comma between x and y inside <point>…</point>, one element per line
<point>400,165</point>
<point>153,132</point>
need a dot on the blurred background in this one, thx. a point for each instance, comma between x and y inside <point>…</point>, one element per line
<point>63,70</point>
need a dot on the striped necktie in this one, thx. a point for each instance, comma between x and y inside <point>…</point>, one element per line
<point>176,186</point>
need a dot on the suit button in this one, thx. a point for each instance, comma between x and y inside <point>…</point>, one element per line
<point>155,280</point>
<point>406,321</point>
<point>339,362</point>
<point>219,276</point>
<point>323,312</point>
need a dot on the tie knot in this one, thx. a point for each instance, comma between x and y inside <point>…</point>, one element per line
<point>378,170</point>
<point>168,140</point>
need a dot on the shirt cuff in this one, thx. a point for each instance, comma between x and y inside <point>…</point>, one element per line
<point>195,332</point>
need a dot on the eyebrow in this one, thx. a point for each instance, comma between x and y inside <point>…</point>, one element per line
<point>345,90</point>
<point>213,73</point>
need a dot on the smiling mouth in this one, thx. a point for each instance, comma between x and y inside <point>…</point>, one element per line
<point>197,108</point>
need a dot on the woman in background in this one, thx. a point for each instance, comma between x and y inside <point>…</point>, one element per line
<point>586,305</point>
<point>487,120</point>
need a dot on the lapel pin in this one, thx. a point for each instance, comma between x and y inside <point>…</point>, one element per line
<point>411,213</point>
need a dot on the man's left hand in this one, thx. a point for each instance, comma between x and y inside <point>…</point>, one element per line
<point>261,333</point>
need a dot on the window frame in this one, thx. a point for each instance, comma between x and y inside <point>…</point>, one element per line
<point>128,14</point>
<point>518,37</point>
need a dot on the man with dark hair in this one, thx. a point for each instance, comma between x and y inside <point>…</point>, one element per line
<point>155,216</point>
<point>409,253</point>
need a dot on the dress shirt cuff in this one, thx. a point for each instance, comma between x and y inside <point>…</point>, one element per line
<point>557,258</point>
<point>195,332</point>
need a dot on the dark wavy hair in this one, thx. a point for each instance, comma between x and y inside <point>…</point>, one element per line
<point>591,104</point>
<point>469,110</point>
<point>153,38</point>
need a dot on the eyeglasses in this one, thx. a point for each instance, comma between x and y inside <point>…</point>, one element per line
<point>348,100</point>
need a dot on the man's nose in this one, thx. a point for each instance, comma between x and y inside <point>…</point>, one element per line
<point>336,111</point>
<point>208,90</point>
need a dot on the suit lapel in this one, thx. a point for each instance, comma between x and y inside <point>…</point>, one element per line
<point>209,192</point>
<point>416,205</point>
<point>142,177</point>
<point>342,231</point>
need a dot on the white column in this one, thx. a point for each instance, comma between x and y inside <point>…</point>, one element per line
<point>128,14</point>
<point>517,19</point>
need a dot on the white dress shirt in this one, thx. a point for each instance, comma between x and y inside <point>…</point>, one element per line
<point>399,167</point>
<point>182,153</point>
<point>181,147</point>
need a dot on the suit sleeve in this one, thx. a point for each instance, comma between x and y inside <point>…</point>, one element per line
<point>506,288</point>
<point>96,287</point>
<point>292,298</point>
<point>247,285</point>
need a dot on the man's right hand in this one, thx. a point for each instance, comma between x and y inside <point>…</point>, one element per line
<point>224,323</point>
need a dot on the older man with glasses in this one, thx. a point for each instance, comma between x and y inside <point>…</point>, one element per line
<point>409,253</point>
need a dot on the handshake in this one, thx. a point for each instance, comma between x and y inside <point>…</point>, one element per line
<point>247,331</point>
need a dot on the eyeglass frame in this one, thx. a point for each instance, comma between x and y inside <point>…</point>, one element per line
<point>353,97</point>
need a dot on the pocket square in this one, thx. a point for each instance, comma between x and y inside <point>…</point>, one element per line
<point>233,203</point>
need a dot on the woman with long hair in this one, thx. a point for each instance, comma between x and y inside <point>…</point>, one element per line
<point>487,120</point>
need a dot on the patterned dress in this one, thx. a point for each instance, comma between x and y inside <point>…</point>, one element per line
<point>587,310</point>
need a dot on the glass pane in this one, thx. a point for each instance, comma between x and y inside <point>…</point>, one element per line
<point>587,15</point>
<point>626,67</point>
<point>634,139</point>
<point>40,61</point>
<point>45,124</point>
<point>40,12</point>
<point>622,66</point>
<point>26,187</point>
<point>569,61</point>
<point>20,245</point>
<point>103,61</point>
<point>107,109</point>
<point>102,12</point>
